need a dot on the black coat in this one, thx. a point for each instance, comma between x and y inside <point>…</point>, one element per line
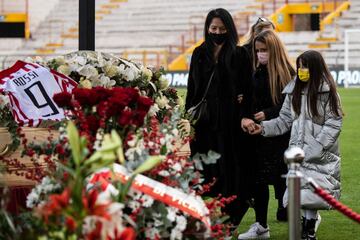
<point>268,151</point>
<point>222,132</point>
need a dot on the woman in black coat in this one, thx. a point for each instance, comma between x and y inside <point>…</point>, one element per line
<point>272,73</point>
<point>219,132</point>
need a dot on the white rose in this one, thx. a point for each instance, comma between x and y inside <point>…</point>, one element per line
<point>153,110</point>
<point>86,84</point>
<point>163,82</point>
<point>106,81</point>
<point>88,71</point>
<point>60,60</point>
<point>130,75</point>
<point>110,70</point>
<point>147,73</point>
<point>162,102</point>
<point>80,60</point>
<point>64,69</point>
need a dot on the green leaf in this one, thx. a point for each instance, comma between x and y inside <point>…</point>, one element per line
<point>126,188</point>
<point>74,141</point>
<point>67,169</point>
<point>94,158</point>
<point>10,222</point>
<point>149,164</point>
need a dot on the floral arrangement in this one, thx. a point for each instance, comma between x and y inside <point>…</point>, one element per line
<point>123,116</point>
<point>94,69</point>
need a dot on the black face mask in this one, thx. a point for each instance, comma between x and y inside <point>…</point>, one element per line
<point>218,38</point>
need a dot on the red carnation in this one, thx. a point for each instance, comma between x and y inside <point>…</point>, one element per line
<point>92,122</point>
<point>138,117</point>
<point>102,93</point>
<point>125,118</point>
<point>102,109</point>
<point>144,103</point>
<point>63,99</point>
<point>85,97</point>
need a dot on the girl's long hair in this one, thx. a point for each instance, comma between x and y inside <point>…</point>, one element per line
<point>229,47</point>
<point>319,73</point>
<point>279,67</point>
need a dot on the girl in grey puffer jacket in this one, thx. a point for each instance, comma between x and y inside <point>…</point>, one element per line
<point>313,113</point>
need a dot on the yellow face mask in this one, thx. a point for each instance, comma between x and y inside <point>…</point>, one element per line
<point>304,74</point>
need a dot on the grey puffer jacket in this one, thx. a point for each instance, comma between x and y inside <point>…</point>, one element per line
<point>318,137</point>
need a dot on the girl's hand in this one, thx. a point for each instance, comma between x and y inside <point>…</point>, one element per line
<point>260,116</point>
<point>247,125</point>
<point>257,130</point>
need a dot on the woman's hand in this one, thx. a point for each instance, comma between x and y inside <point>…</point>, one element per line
<point>184,127</point>
<point>260,116</point>
<point>257,130</point>
<point>240,98</point>
<point>247,125</point>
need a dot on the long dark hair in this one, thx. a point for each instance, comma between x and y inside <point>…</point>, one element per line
<point>232,40</point>
<point>319,74</point>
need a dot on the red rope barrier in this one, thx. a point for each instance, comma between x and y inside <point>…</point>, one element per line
<point>337,205</point>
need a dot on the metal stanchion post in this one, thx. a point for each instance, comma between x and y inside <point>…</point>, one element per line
<point>293,157</point>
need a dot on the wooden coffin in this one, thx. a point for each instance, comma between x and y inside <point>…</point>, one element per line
<point>17,176</point>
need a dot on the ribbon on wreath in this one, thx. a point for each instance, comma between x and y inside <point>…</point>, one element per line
<point>189,204</point>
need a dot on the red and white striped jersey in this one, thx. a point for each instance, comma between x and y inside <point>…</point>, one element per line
<point>31,88</point>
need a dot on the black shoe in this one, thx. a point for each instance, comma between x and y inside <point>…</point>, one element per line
<point>281,214</point>
<point>304,233</point>
<point>308,229</point>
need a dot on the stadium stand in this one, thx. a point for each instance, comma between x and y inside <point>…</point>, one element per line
<point>123,26</point>
<point>154,30</point>
<point>330,41</point>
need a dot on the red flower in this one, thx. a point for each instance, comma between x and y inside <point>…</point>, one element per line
<point>89,202</point>
<point>101,93</point>
<point>63,99</point>
<point>102,179</point>
<point>56,203</point>
<point>102,109</point>
<point>59,149</point>
<point>92,122</point>
<point>70,224</point>
<point>138,117</point>
<point>85,97</point>
<point>125,118</point>
<point>128,234</point>
<point>96,233</point>
<point>144,103</point>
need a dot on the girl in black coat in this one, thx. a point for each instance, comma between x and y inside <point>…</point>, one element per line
<point>219,132</point>
<point>272,73</point>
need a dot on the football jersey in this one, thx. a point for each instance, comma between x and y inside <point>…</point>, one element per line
<point>31,88</point>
